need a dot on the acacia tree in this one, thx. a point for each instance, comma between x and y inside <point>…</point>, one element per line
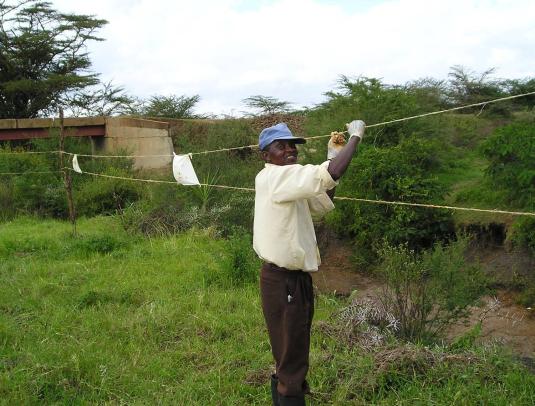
<point>172,106</point>
<point>43,56</point>
<point>267,105</point>
<point>467,86</point>
<point>104,99</point>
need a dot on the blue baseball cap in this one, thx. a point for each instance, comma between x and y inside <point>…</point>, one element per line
<point>277,132</point>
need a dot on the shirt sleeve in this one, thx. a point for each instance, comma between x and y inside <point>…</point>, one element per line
<point>320,205</point>
<point>294,182</point>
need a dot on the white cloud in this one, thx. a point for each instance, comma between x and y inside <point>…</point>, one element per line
<point>227,50</point>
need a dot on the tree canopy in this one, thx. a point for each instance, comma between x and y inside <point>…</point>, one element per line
<point>267,105</point>
<point>43,56</point>
<point>172,106</point>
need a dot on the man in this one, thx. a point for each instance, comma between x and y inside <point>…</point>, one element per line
<point>287,195</point>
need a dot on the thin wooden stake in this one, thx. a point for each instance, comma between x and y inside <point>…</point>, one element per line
<point>67,180</point>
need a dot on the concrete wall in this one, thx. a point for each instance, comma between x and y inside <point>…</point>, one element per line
<point>137,137</point>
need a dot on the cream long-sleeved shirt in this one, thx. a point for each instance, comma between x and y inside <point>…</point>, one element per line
<point>286,198</point>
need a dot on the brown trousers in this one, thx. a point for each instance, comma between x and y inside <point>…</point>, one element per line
<point>288,307</point>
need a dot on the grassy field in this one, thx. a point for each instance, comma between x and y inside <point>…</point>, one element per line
<point>113,318</point>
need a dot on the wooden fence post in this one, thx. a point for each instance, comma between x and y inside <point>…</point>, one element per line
<point>67,180</point>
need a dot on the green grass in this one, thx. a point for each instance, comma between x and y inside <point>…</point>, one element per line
<point>108,317</point>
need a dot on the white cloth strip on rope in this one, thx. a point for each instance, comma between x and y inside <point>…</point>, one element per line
<point>183,171</point>
<point>253,146</point>
<point>75,164</point>
<point>433,206</point>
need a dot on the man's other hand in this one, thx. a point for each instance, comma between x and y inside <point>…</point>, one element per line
<point>335,145</point>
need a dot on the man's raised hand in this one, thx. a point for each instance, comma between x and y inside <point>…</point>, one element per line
<point>356,129</point>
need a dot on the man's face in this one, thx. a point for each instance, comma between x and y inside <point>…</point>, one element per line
<point>280,152</point>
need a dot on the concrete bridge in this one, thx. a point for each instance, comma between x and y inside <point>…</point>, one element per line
<point>108,135</point>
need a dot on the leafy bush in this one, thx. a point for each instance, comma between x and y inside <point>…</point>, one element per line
<point>428,291</point>
<point>32,193</point>
<point>511,154</point>
<point>523,234</point>
<point>399,173</point>
<point>43,194</point>
<point>106,196</point>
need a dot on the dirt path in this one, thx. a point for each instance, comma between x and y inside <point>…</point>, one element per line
<point>508,323</point>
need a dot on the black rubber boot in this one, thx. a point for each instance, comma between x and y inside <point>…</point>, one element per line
<point>274,391</point>
<point>292,400</point>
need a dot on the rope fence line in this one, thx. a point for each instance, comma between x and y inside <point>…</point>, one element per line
<point>27,173</point>
<point>255,146</point>
<point>29,152</point>
<point>436,206</point>
<point>356,199</point>
<point>160,181</point>
<point>118,156</point>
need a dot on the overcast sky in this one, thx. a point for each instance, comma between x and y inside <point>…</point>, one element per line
<point>295,50</point>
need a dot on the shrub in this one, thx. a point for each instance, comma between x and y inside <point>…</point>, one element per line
<point>105,196</point>
<point>523,234</point>
<point>511,154</point>
<point>33,193</point>
<point>399,173</point>
<point>427,292</point>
